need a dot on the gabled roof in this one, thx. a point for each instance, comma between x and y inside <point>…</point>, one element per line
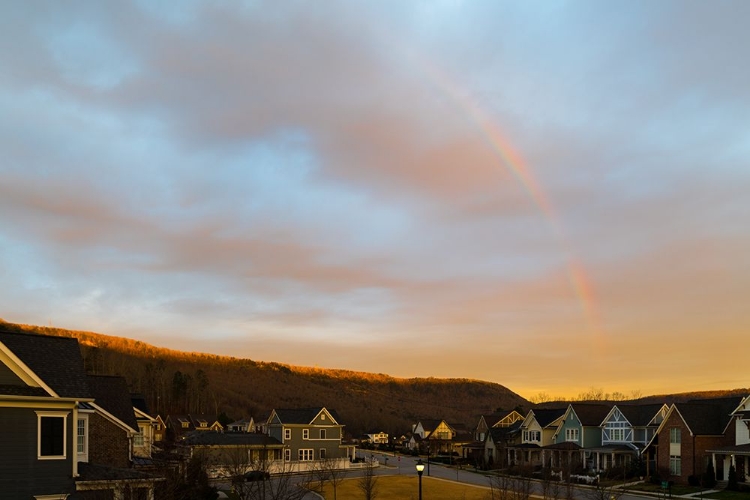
<point>707,417</point>
<point>204,420</point>
<point>591,414</point>
<point>501,433</point>
<point>303,416</point>
<point>639,415</point>
<point>508,419</point>
<point>545,416</point>
<point>739,409</point>
<point>56,361</point>
<point>430,424</point>
<point>112,395</point>
<point>703,417</point>
<point>139,402</point>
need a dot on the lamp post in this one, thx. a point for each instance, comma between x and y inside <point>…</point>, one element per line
<point>420,470</point>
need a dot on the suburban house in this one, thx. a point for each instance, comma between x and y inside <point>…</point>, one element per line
<point>179,424</point>
<point>438,436</point>
<point>42,387</point>
<point>496,444</point>
<point>309,434</point>
<point>377,437</point>
<point>110,431</point>
<point>483,450</point>
<point>536,430</point>
<point>69,433</point>
<point>160,429</point>
<point>143,441</point>
<point>687,433</point>
<point>579,433</point>
<point>206,423</point>
<point>242,425</point>
<point>233,454</point>
<point>626,431</point>
<point>737,454</point>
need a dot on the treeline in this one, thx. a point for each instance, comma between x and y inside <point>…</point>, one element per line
<point>175,382</point>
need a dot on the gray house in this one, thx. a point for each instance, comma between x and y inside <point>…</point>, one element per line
<point>42,384</point>
<point>62,433</point>
<point>309,434</point>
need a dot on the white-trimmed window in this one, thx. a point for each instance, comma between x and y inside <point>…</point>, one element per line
<point>52,435</point>
<point>617,435</point>
<point>675,465</point>
<point>532,436</point>
<point>322,453</point>
<point>305,433</point>
<point>306,455</point>
<point>82,438</point>
<point>287,455</point>
<point>138,438</point>
<point>287,434</point>
<point>675,435</point>
<point>322,433</point>
<point>571,434</point>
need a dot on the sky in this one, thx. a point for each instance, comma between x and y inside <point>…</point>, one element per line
<point>550,195</point>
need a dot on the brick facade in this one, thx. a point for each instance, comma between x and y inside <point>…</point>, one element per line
<point>692,450</point>
<point>111,443</point>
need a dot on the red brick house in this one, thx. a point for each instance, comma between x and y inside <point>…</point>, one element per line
<point>688,431</point>
<point>109,427</point>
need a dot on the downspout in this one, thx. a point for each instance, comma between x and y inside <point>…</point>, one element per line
<point>75,441</point>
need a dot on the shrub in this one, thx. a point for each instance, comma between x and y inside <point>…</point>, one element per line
<point>732,479</point>
<point>709,477</point>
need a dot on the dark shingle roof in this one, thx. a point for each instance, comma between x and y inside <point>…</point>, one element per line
<point>56,360</point>
<point>639,415</point>
<point>430,424</point>
<point>545,416</point>
<point>111,393</point>
<point>210,438</point>
<point>90,472</point>
<point>591,414</point>
<point>302,415</point>
<point>22,390</point>
<point>708,417</point>
<point>139,401</point>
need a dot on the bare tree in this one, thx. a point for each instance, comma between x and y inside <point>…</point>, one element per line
<point>368,483</point>
<point>521,487</point>
<point>609,491</point>
<point>541,397</point>
<point>329,470</point>
<point>501,487</point>
<point>550,485</point>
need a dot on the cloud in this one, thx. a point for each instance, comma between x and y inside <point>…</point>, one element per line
<point>274,171</point>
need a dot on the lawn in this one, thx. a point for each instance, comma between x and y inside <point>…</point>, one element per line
<point>407,488</point>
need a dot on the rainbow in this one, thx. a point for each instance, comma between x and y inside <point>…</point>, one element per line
<point>513,161</point>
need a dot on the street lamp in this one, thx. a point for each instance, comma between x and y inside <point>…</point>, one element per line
<point>420,470</point>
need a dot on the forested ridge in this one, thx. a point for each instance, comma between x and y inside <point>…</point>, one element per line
<point>179,382</point>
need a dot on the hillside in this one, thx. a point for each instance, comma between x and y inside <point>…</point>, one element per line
<point>180,382</point>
